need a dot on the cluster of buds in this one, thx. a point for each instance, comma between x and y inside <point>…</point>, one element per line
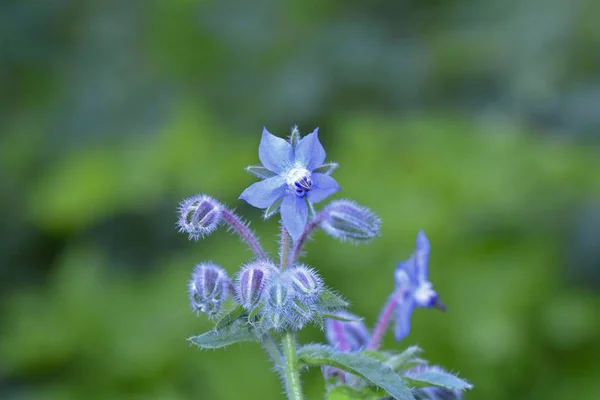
<point>285,297</point>
<point>281,299</point>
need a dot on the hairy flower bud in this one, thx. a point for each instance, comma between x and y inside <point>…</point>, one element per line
<point>279,304</point>
<point>199,216</point>
<point>347,336</point>
<point>208,288</point>
<point>251,282</point>
<point>307,284</point>
<point>346,220</point>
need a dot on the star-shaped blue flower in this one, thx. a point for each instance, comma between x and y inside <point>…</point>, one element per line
<point>411,282</point>
<point>293,173</point>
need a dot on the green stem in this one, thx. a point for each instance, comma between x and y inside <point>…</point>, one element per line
<point>292,376</point>
<point>284,252</point>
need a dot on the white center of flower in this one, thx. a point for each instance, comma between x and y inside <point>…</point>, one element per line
<point>299,181</point>
<point>424,295</point>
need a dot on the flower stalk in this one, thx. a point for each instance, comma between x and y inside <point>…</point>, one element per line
<point>245,233</point>
<point>292,373</point>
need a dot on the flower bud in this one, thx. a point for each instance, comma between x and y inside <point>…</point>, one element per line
<point>208,288</point>
<point>251,282</point>
<point>347,336</point>
<point>306,282</point>
<point>279,304</point>
<point>346,220</point>
<point>199,216</point>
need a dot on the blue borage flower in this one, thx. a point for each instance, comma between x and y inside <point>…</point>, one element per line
<point>292,176</point>
<point>413,285</point>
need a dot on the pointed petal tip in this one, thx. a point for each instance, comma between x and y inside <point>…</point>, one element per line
<point>422,241</point>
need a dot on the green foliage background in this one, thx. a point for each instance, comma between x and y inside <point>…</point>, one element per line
<point>476,121</point>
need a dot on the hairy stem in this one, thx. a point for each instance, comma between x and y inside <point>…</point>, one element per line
<point>271,347</point>
<point>292,375</point>
<point>245,233</point>
<point>284,252</point>
<point>385,318</point>
<point>308,229</point>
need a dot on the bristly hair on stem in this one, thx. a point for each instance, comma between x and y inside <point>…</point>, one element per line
<point>245,233</point>
<point>385,318</point>
<point>308,229</point>
<point>284,248</point>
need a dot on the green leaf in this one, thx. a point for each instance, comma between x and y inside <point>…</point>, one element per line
<point>341,318</point>
<point>436,378</point>
<point>327,168</point>
<point>364,366</point>
<point>238,331</point>
<point>260,172</point>
<point>331,301</point>
<point>407,359</point>
<point>228,318</point>
<point>378,355</point>
<point>273,208</point>
<point>344,392</point>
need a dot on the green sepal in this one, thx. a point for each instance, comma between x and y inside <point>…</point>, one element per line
<point>254,313</point>
<point>330,301</point>
<point>436,378</point>
<point>326,168</point>
<point>294,136</point>
<point>340,318</point>
<point>237,331</point>
<point>260,172</point>
<point>273,208</point>
<point>374,371</point>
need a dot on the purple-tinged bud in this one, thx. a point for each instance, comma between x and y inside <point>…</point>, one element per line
<point>347,336</point>
<point>307,284</point>
<point>199,216</point>
<point>279,305</point>
<point>346,220</point>
<point>251,282</point>
<point>208,288</point>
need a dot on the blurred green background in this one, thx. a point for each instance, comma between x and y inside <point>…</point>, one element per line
<point>477,121</point>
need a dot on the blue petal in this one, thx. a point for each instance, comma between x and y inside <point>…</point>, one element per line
<point>323,187</point>
<point>294,214</point>
<point>264,193</point>
<point>275,153</point>
<point>403,313</point>
<point>310,152</point>
<point>409,268</point>
<point>421,256</point>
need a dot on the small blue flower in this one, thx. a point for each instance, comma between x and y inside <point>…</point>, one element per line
<point>411,281</point>
<point>290,178</point>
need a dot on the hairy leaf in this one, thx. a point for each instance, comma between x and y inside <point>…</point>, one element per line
<point>228,318</point>
<point>436,378</point>
<point>364,366</point>
<point>238,331</point>
<point>407,359</point>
